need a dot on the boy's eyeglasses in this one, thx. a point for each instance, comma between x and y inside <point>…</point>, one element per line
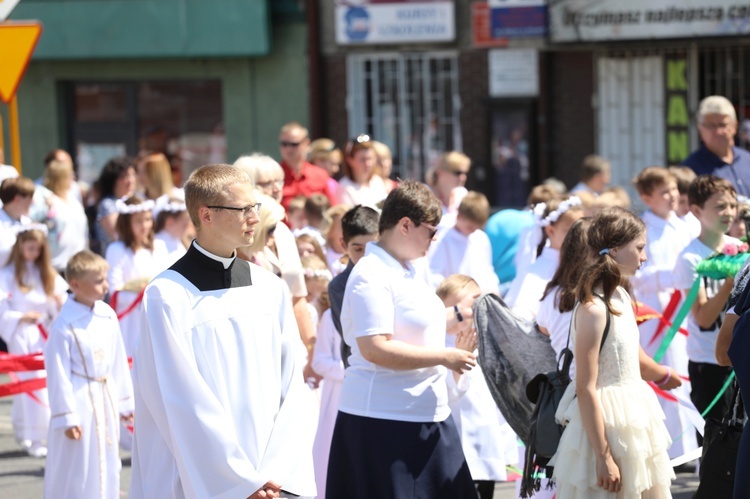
<point>246,210</point>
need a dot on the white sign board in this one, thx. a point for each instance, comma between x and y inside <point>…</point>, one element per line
<point>513,72</point>
<point>593,20</point>
<point>362,22</point>
<point>500,4</point>
<point>6,6</point>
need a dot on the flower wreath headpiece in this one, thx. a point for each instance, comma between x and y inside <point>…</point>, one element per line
<point>164,204</point>
<point>18,229</point>
<point>319,273</point>
<point>129,209</point>
<point>554,215</point>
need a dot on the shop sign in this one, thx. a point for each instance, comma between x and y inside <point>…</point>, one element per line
<point>677,116</point>
<point>518,18</point>
<point>593,20</point>
<point>394,21</point>
<point>513,73</point>
<point>481,29</point>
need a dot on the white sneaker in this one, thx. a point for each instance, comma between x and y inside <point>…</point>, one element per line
<point>25,444</point>
<point>37,449</point>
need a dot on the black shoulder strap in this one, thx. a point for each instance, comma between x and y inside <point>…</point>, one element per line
<point>606,327</point>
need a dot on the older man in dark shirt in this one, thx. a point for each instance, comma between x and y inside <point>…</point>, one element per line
<point>717,125</point>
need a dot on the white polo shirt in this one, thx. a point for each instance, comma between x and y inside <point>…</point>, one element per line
<point>383,297</point>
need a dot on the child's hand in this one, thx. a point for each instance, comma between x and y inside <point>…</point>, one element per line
<point>466,339</point>
<point>127,418</point>
<point>74,433</point>
<point>31,317</point>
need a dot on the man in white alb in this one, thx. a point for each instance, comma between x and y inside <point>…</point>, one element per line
<point>219,395</point>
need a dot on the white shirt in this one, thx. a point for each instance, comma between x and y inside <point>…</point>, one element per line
<point>352,193</point>
<point>383,297</point>
<point>471,255</point>
<point>556,323</point>
<point>665,239</point>
<point>527,289</point>
<point>175,248</point>
<point>700,343</point>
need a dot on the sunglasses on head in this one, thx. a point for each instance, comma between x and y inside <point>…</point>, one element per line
<point>362,138</point>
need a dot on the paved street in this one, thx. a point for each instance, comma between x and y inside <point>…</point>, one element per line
<point>22,477</point>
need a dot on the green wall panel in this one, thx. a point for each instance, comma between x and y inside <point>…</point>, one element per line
<point>259,94</point>
<point>86,29</point>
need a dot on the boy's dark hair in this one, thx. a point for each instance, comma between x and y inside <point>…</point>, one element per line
<point>16,186</point>
<point>411,199</point>
<point>705,186</point>
<point>315,206</point>
<point>359,221</point>
<point>592,166</point>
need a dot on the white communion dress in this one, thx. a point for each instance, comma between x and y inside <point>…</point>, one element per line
<point>633,421</point>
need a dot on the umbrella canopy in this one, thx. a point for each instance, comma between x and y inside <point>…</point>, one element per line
<point>512,351</point>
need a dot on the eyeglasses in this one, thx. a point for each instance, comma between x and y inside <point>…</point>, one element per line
<point>284,143</point>
<point>246,210</point>
<point>716,126</point>
<point>267,184</point>
<point>431,228</point>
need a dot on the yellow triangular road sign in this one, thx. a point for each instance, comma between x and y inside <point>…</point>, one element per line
<point>17,43</point>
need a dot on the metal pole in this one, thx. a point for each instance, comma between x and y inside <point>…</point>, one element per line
<point>15,136</point>
<point>2,141</point>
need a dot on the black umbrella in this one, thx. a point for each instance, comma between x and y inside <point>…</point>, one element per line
<point>512,351</point>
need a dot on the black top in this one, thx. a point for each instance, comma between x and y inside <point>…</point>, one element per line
<point>208,274</point>
<point>336,289</point>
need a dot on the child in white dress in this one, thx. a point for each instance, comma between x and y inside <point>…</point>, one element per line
<point>133,260</point>
<point>554,219</point>
<point>90,388</point>
<point>172,224</point>
<point>615,441</point>
<point>32,295</point>
<point>488,442</point>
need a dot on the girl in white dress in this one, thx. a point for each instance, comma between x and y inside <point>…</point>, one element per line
<point>172,225</point>
<point>32,295</point>
<point>615,442</point>
<point>360,183</point>
<point>133,260</point>
<point>553,219</point>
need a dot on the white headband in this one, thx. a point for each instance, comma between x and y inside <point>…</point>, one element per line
<point>129,209</point>
<point>17,229</point>
<point>163,204</point>
<point>555,215</point>
<point>324,273</point>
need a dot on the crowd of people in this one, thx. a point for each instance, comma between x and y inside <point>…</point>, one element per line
<point>305,327</point>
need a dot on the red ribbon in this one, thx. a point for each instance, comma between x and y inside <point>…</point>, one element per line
<point>662,393</point>
<point>30,362</point>
<point>131,307</point>
<point>43,331</point>
<point>666,317</point>
<point>17,387</point>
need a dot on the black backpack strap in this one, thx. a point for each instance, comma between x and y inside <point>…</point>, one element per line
<point>609,320</point>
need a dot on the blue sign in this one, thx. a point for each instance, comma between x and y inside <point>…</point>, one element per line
<point>357,23</point>
<point>517,22</point>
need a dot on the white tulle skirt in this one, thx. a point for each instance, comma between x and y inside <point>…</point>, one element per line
<point>637,436</point>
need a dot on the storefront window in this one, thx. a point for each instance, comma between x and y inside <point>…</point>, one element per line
<point>410,103</point>
<point>182,119</point>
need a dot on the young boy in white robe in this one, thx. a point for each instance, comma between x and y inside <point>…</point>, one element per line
<point>465,248</point>
<point>666,236</point>
<point>554,220</point>
<point>90,389</point>
<point>488,442</point>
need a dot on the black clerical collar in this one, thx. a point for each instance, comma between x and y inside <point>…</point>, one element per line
<point>208,274</point>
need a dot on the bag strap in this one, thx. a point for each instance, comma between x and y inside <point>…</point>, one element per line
<point>736,412</point>
<point>567,354</point>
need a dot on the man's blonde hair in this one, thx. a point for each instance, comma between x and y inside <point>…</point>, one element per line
<point>454,284</point>
<point>475,207</point>
<point>294,125</point>
<point>208,186</point>
<point>84,262</point>
<point>56,175</point>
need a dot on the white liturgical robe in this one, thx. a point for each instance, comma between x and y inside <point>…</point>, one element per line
<point>221,406</point>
